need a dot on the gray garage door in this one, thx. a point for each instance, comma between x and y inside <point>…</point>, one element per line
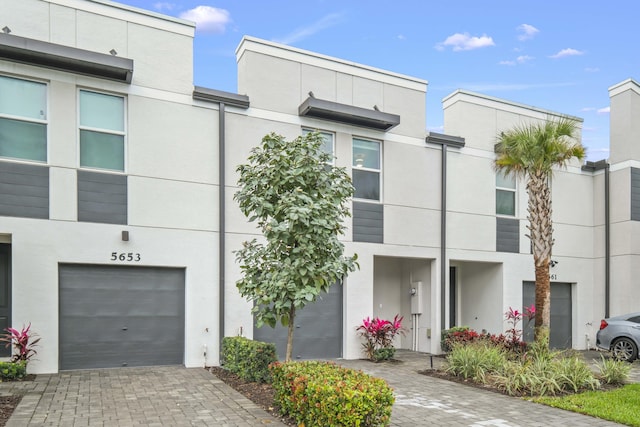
<point>561,314</point>
<point>318,333</point>
<point>113,316</point>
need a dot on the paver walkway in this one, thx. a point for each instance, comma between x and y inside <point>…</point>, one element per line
<point>177,396</point>
<point>426,401</point>
<point>158,396</point>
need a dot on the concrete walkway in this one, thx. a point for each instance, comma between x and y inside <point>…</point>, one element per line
<point>177,396</point>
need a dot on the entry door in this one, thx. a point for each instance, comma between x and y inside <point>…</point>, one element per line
<point>5,293</point>
<point>561,314</point>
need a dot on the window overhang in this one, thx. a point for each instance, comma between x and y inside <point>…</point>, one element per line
<point>442,139</point>
<point>218,96</point>
<point>342,113</point>
<point>65,58</point>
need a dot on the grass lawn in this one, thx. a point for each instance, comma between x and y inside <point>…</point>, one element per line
<point>621,405</point>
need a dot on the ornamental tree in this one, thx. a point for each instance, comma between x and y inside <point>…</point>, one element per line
<point>298,201</point>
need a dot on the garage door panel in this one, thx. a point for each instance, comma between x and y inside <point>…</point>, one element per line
<point>318,332</point>
<point>113,316</point>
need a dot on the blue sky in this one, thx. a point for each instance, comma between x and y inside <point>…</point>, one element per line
<point>556,55</point>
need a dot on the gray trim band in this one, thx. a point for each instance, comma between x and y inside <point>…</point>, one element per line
<point>65,58</point>
<point>212,95</point>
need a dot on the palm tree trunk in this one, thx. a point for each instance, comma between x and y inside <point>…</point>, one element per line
<point>292,316</point>
<point>541,234</point>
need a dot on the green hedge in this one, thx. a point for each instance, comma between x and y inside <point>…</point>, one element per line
<point>247,358</point>
<point>11,371</point>
<point>324,394</point>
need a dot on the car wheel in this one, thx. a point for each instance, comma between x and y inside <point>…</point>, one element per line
<point>624,349</point>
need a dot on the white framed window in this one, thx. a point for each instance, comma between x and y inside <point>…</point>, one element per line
<point>328,146</point>
<point>366,172</point>
<point>23,119</point>
<point>505,195</point>
<point>102,130</point>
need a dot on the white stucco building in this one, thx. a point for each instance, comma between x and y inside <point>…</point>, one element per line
<point>117,175</point>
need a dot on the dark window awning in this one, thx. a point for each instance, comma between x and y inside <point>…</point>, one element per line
<point>442,139</point>
<point>342,113</point>
<point>65,58</point>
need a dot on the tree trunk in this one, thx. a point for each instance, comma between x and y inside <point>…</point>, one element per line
<point>292,317</point>
<point>541,234</point>
<point>543,304</point>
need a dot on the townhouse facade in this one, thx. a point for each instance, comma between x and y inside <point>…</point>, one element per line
<point>118,225</point>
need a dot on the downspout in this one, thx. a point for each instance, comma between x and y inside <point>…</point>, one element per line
<point>443,238</point>
<point>607,245</point>
<point>221,219</point>
<point>592,167</point>
<point>444,141</point>
<point>222,99</point>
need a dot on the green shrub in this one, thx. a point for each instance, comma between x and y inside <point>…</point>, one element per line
<point>574,374</point>
<point>11,371</point>
<point>247,358</point>
<point>475,360</point>
<point>319,394</point>
<point>381,354</point>
<point>612,371</point>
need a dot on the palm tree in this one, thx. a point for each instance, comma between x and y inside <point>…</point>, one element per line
<point>532,152</point>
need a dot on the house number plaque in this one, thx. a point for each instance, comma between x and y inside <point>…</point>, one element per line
<point>125,256</point>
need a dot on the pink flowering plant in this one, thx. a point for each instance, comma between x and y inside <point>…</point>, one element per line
<point>379,335</point>
<point>514,332</point>
<point>23,343</point>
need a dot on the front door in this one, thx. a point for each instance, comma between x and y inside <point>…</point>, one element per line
<point>5,293</point>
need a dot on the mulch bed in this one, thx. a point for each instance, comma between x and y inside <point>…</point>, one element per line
<point>7,405</point>
<point>259,393</point>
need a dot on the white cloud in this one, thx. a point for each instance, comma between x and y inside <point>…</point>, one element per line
<point>304,32</point>
<point>604,110</point>
<point>586,109</point>
<point>592,69</point>
<point>527,32</point>
<point>208,19</point>
<point>519,60</point>
<point>567,52</point>
<point>401,37</point>
<point>464,41</point>
<point>164,6</point>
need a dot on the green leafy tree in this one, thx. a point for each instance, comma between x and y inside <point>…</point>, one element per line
<point>532,152</point>
<point>299,201</point>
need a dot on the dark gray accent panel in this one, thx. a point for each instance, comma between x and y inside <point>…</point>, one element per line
<point>102,197</point>
<point>318,332</point>
<point>344,113</point>
<point>635,194</point>
<point>561,325</point>
<point>65,58</point>
<point>507,235</point>
<point>115,316</point>
<point>24,190</point>
<point>368,222</point>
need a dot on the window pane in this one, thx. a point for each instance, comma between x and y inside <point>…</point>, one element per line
<point>505,202</point>
<point>101,150</point>
<point>23,98</point>
<point>503,181</point>
<point>367,184</point>
<point>327,145</point>
<point>101,111</point>
<point>23,140</point>
<point>366,154</point>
